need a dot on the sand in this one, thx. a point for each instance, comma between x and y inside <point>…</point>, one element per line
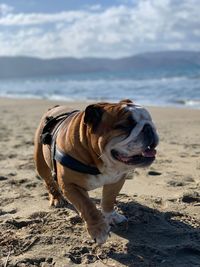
<point>161,202</point>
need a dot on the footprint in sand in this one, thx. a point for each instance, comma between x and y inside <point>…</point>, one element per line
<point>22,223</point>
<point>191,197</point>
<point>31,185</point>
<point>39,215</point>
<point>3,178</point>
<point>154,173</point>
<point>18,182</point>
<point>181,181</point>
<point>40,261</point>
<point>3,212</point>
<point>12,156</point>
<point>175,183</point>
<point>27,166</point>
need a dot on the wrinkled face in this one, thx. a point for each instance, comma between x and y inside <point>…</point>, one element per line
<point>124,134</point>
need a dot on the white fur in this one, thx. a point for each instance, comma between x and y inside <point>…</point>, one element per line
<point>103,236</point>
<point>103,179</point>
<point>114,217</point>
<point>113,170</point>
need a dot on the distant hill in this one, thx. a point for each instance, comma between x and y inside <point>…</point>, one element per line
<point>21,66</point>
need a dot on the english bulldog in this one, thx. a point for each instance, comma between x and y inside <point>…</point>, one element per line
<point>94,148</point>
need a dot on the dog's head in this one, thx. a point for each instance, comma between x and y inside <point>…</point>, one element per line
<point>121,134</point>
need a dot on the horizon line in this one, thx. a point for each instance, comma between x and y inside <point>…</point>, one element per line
<point>96,57</point>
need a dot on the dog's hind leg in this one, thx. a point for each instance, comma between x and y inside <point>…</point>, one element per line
<point>44,171</point>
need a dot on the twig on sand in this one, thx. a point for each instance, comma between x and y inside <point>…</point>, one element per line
<point>30,245</point>
<point>104,263</point>
<point>7,258</point>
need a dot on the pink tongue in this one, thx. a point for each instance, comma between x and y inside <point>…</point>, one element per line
<point>124,158</point>
<point>149,153</point>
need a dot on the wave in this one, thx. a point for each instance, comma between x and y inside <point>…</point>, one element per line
<point>189,102</point>
<point>175,91</point>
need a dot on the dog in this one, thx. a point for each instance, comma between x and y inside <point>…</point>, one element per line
<point>82,150</point>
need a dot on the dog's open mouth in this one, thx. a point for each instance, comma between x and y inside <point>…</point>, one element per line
<point>146,157</point>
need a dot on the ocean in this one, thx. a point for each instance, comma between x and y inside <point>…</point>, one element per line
<point>174,87</point>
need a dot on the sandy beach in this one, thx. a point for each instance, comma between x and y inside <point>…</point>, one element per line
<point>162,202</point>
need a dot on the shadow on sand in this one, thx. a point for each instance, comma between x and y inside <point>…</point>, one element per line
<point>149,239</point>
<point>157,239</point>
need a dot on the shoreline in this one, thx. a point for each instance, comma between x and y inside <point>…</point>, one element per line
<point>162,202</point>
<point>88,101</point>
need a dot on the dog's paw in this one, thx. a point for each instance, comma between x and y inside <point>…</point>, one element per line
<point>99,232</point>
<point>58,202</point>
<point>114,217</point>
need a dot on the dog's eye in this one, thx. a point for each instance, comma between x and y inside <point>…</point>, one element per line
<point>123,127</point>
<point>126,126</point>
<point>131,121</point>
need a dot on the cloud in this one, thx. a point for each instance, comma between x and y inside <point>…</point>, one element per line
<point>22,19</point>
<point>95,7</point>
<point>4,9</point>
<point>121,30</point>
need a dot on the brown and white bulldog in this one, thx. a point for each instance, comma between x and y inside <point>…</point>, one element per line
<point>114,138</point>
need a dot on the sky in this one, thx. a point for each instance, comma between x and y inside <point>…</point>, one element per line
<point>91,28</point>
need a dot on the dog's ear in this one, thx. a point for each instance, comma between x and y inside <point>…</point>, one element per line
<point>126,101</point>
<point>93,115</point>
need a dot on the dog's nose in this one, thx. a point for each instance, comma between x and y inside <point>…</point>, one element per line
<point>147,129</point>
<point>149,135</point>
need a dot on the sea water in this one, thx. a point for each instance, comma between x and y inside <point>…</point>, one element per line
<point>172,87</point>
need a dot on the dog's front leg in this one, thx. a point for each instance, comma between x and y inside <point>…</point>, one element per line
<point>97,227</point>
<point>109,194</point>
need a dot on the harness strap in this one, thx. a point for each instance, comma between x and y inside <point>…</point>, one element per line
<point>48,137</point>
<point>53,147</point>
<point>47,133</point>
<point>74,164</point>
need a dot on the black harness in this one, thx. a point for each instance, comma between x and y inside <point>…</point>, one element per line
<point>74,164</point>
<point>48,137</point>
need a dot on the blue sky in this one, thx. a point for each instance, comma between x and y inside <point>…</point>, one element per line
<point>53,6</point>
<point>57,28</point>
<point>60,5</point>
